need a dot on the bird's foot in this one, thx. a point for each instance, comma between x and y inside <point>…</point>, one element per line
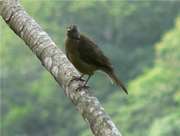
<point>82,87</point>
<point>77,78</point>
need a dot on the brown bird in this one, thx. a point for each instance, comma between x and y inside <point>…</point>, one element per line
<point>85,55</point>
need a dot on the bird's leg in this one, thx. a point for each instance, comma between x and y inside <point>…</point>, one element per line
<point>87,81</point>
<point>78,78</point>
<point>84,85</point>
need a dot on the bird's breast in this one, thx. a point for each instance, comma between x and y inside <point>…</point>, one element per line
<point>74,56</point>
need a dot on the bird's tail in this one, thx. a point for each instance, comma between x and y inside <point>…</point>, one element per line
<point>117,81</point>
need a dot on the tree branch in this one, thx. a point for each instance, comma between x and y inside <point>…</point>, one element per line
<point>54,60</point>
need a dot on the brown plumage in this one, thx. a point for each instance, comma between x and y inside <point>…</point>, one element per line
<point>87,57</point>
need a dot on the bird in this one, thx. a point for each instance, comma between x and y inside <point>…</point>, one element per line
<point>87,57</point>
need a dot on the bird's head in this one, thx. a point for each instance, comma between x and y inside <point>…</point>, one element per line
<point>72,32</point>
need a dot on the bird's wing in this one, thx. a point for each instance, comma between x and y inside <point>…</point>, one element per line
<point>91,54</point>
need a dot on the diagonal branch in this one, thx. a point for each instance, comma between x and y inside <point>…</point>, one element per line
<point>54,60</point>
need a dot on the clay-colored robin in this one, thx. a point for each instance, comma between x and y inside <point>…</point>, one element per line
<point>85,55</point>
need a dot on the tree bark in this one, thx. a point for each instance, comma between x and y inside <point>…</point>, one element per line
<point>55,61</point>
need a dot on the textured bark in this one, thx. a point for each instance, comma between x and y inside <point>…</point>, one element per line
<point>54,60</point>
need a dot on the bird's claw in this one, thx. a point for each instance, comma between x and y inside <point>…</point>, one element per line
<point>77,78</point>
<point>82,87</point>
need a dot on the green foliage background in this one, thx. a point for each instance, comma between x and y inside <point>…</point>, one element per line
<point>141,38</point>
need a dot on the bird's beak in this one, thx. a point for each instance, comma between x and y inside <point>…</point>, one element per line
<point>68,29</point>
